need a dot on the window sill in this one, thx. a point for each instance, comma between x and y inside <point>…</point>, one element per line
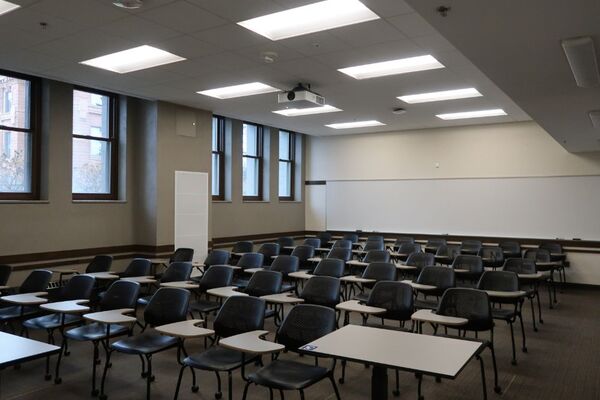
<point>222,201</point>
<point>99,201</point>
<point>24,202</point>
<point>291,201</point>
<point>255,201</point>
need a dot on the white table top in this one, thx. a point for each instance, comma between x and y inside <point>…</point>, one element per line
<point>238,254</point>
<point>289,247</point>
<point>140,279</point>
<point>303,274</point>
<point>26,299</point>
<point>158,260</point>
<point>533,277</point>
<point>112,316</point>
<point>431,316</point>
<point>251,342</point>
<point>404,267</point>
<point>437,355</point>
<point>253,270</point>
<point>181,284</point>
<point>103,275</point>
<point>506,295</point>
<point>198,264</point>
<point>419,286</point>
<point>355,279</point>
<point>17,349</point>
<point>226,291</point>
<point>185,329</point>
<point>357,263</point>
<point>355,306</point>
<point>314,259</point>
<point>65,270</point>
<point>282,298</point>
<point>4,287</point>
<point>395,254</point>
<point>67,307</point>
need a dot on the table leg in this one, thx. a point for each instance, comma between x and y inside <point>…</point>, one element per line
<point>379,383</point>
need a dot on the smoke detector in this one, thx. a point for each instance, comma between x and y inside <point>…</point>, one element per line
<point>398,111</point>
<point>129,4</point>
<point>269,57</point>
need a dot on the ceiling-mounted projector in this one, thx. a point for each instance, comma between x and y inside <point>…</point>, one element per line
<point>129,4</point>
<point>300,97</point>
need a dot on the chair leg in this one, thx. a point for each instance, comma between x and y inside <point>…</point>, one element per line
<point>149,376</point>
<point>106,364</point>
<point>535,329</point>
<point>497,388</point>
<point>335,388</point>
<point>397,390</point>
<point>512,340</point>
<point>94,364</point>
<point>550,284</point>
<point>230,385</point>
<point>143,366</point>
<point>218,394</point>
<point>246,391</point>
<point>482,377</point>
<point>342,378</point>
<point>524,348</point>
<point>301,394</point>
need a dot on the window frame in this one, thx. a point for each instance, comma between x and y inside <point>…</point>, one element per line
<point>221,153</point>
<point>259,157</point>
<point>291,160</point>
<point>112,141</point>
<point>34,130</point>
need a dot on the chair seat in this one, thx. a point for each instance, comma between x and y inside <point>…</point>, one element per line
<point>216,359</point>
<point>51,321</point>
<point>14,312</point>
<point>426,304</point>
<point>240,283</point>
<point>147,343</point>
<point>364,297</point>
<point>143,301</point>
<point>95,331</point>
<point>503,313</point>
<point>204,306</point>
<point>389,327</point>
<point>288,375</point>
<point>287,287</point>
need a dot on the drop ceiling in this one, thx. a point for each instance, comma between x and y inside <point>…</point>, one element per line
<point>221,53</point>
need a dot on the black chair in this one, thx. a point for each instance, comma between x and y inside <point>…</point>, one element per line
<point>505,281</point>
<point>544,263</point>
<point>214,277</point>
<point>168,305</point>
<point>182,254</point>
<point>511,249</point>
<point>137,267</point>
<point>401,240</point>
<point>285,241</point>
<point>352,237</point>
<point>330,267</point>
<point>251,260</point>
<point>325,238</point>
<point>313,242</point>
<point>473,305</point>
<point>264,283</point>
<point>441,278</point>
<point>177,271</point>
<point>420,261</point>
<point>5,271</point>
<point>285,265</point>
<point>377,256</point>
<point>100,263</point>
<point>36,281</point>
<point>523,267</point>
<point>405,249</point>
<point>446,253</point>
<point>304,252</point>
<point>433,244</point>
<point>375,238</point>
<point>216,257</point>
<point>342,243</point>
<point>471,247</point>
<point>322,290</point>
<point>120,294</point>
<point>239,314</point>
<point>241,247</point>
<point>557,255</point>
<point>492,257</point>
<point>373,245</point>
<point>304,324</point>
<point>467,267</point>
<point>340,254</point>
<point>268,250</point>
<point>379,271</point>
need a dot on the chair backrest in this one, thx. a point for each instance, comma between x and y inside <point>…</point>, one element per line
<point>100,263</point>
<point>342,243</point>
<point>324,237</point>
<point>470,246</point>
<point>340,254</point>
<point>264,283</point>
<point>380,271</point>
<point>373,245</point>
<point>314,242</point>
<point>495,253</point>
<point>403,239</point>
<point>520,266</point>
<point>251,260</point>
<point>538,255</point>
<point>513,249</point>
<point>216,257</point>
<point>375,238</point>
<point>5,271</point>
<point>333,267</point>
<point>304,324</point>
<point>268,250</point>
<point>78,287</point>
<point>322,290</point>
<point>448,250</point>
<point>240,314</point>
<point>285,241</point>
<point>244,246</point>
<point>303,252</point>
<point>138,267</point>
<point>471,304</point>
<point>177,271</point>
<point>216,276</point>
<point>120,294</point>
<point>435,243</point>
<point>473,264</point>
<point>420,260</point>
<point>408,248</point>
<point>285,264</point>
<point>182,254</point>
<point>552,247</point>
<point>36,281</point>
<point>352,237</point>
<point>395,297</point>
<point>502,281</point>
<point>440,277</point>
<point>377,256</point>
<point>166,306</point>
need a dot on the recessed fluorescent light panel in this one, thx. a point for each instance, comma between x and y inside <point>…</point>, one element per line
<point>440,96</point>
<point>297,112</point>
<point>473,114</point>
<point>246,89</point>
<point>355,124</point>
<point>393,67</point>
<point>7,6</point>
<point>311,18</point>
<point>134,59</point>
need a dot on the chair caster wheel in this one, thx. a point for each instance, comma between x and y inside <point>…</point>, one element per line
<point>152,378</point>
<point>57,381</point>
<point>218,395</point>
<point>498,390</point>
<point>341,380</point>
<point>144,374</point>
<point>396,393</point>
<point>195,389</point>
<point>47,377</point>
<point>524,349</point>
<point>514,362</point>
<point>95,393</point>
<point>103,397</point>
<point>536,330</point>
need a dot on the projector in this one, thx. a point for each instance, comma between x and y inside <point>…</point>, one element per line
<point>301,97</point>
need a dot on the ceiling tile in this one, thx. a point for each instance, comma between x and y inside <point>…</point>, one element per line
<point>433,43</point>
<point>315,43</point>
<point>367,33</point>
<point>30,20</point>
<point>388,8</point>
<point>412,25</point>
<point>183,17</point>
<point>282,53</point>
<point>186,46</point>
<point>28,61</point>
<point>231,10</point>
<point>139,30</point>
<point>231,37</point>
<point>18,39</point>
<point>86,12</point>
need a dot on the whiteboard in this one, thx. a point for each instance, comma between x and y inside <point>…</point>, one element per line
<point>547,207</point>
<point>191,212</point>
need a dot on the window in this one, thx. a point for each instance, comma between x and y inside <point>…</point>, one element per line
<point>19,137</point>
<point>94,145</point>
<point>252,149</point>
<point>218,158</point>
<point>287,150</point>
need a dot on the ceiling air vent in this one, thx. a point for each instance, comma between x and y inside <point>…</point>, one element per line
<point>582,59</point>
